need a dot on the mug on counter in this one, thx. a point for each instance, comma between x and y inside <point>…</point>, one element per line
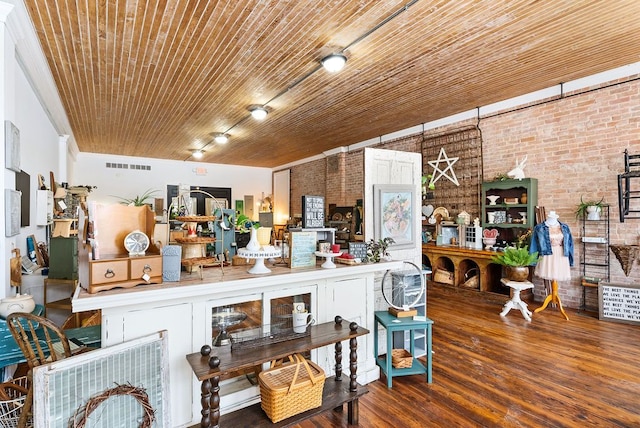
<point>301,320</point>
<point>324,247</point>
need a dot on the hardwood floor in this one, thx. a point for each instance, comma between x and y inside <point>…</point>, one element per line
<point>490,371</point>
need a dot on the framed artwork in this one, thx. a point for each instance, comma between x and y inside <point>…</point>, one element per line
<point>11,146</point>
<point>12,212</point>
<point>393,206</point>
<point>239,207</point>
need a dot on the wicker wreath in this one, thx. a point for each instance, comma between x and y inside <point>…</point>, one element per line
<point>80,416</point>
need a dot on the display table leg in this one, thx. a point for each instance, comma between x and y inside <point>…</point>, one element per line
<point>354,406</point>
<point>259,267</point>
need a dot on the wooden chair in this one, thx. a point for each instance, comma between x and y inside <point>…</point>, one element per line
<point>41,342</point>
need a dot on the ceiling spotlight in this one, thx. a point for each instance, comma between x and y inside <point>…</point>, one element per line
<point>197,154</point>
<point>221,138</point>
<point>334,62</point>
<point>259,113</point>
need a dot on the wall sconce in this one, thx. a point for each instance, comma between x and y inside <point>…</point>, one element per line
<point>259,113</point>
<point>197,154</point>
<point>221,138</point>
<point>334,62</point>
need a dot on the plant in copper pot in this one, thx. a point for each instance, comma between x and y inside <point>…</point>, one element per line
<point>517,261</point>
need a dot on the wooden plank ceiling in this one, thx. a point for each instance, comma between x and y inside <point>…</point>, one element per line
<point>159,78</point>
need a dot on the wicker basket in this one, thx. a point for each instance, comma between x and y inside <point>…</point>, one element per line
<point>11,408</point>
<point>291,388</point>
<point>471,278</point>
<point>443,276</point>
<point>401,358</point>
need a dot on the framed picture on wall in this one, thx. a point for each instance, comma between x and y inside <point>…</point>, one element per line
<point>239,207</point>
<point>11,146</point>
<point>393,206</point>
<point>12,212</point>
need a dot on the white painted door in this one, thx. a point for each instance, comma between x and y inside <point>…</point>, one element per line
<point>393,167</point>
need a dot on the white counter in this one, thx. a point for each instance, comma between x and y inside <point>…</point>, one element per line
<point>184,309</point>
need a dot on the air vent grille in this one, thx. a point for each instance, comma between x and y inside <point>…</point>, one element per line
<point>118,165</point>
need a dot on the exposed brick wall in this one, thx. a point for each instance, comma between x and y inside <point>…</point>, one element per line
<point>574,146</point>
<point>307,179</point>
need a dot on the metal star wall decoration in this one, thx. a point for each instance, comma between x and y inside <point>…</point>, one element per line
<point>442,157</point>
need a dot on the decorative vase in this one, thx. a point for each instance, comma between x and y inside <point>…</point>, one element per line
<point>253,244</point>
<point>523,198</point>
<point>518,273</point>
<point>593,212</point>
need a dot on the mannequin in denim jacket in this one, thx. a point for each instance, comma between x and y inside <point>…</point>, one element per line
<point>541,242</point>
<point>553,265</point>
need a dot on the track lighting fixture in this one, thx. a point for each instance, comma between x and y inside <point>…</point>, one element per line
<point>334,62</point>
<point>197,154</point>
<point>221,138</point>
<point>259,113</point>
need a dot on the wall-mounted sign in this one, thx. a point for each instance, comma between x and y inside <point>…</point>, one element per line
<point>312,212</point>
<point>619,302</point>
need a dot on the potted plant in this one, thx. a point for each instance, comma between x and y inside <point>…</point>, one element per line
<point>245,224</point>
<point>139,200</point>
<point>517,261</point>
<point>376,250</point>
<point>589,209</point>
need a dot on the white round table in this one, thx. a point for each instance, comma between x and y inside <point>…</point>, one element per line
<point>259,257</point>
<point>328,264</point>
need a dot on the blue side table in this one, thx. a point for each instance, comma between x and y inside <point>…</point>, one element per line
<point>393,324</point>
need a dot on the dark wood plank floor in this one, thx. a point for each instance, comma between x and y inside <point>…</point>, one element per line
<point>490,371</point>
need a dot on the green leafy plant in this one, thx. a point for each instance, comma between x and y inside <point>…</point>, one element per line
<point>139,200</point>
<point>515,256</point>
<point>378,249</point>
<point>244,223</point>
<point>581,209</point>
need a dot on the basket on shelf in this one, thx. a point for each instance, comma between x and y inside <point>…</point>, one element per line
<point>12,397</point>
<point>443,276</point>
<point>401,358</point>
<point>471,278</point>
<point>291,388</point>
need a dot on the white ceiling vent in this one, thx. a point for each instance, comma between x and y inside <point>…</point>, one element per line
<point>132,166</point>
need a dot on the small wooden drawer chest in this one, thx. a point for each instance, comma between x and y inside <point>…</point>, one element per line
<point>124,272</point>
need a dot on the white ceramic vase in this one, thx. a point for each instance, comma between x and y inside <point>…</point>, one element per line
<point>253,244</point>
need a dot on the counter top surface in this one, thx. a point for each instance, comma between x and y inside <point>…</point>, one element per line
<point>233,279</point>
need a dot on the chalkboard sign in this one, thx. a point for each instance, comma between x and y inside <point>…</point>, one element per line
<point>312,212</point>
<point>619,303</point>
<point>302,249</point>
<point>358,250</point>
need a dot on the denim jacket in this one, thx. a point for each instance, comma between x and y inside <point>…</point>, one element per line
<point>541,243</point>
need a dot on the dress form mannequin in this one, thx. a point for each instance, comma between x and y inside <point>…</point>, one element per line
<point>554,263</point>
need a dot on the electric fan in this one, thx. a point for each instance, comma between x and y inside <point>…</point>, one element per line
<point>402,289</point>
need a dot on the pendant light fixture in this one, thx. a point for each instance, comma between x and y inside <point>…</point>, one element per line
<point>259,113</point>
<point>334,62</point>
<point>221,138</point>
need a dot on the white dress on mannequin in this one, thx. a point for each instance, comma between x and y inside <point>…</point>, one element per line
<point>554,266</point>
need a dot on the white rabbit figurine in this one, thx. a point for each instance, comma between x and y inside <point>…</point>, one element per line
<point>517,173</point>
